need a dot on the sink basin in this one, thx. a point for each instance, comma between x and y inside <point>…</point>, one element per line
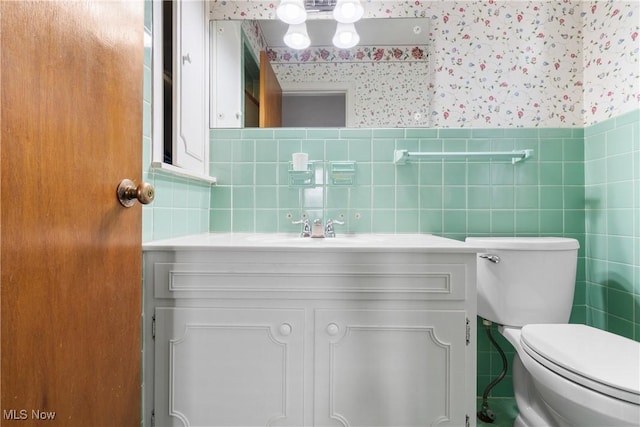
<point>296,239</point>
<point>286,241</point>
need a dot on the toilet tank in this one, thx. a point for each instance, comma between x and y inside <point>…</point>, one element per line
<point>523,280</point>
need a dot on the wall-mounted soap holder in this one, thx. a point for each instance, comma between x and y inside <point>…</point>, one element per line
<point>302,179</point>
<point>342,173</point>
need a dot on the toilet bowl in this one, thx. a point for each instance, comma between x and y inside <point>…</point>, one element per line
<point>575,375</point>
<point>563,374</point>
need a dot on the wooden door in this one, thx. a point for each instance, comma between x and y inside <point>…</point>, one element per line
<point>71,128</point>
<point>270,95</point>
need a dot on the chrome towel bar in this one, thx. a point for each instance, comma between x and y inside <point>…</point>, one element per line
<point>401,157</point>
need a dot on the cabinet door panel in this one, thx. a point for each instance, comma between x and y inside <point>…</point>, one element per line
<point>191,84</point>
<point>389,367</point>
<point>229,367</point>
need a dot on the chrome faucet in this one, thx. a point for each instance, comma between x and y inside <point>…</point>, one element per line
<point>316,230</point>
<point>329,231</point>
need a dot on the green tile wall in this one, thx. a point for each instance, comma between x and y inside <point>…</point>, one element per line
<point>542,196</point>
<point>181,207</point>
<point>612,225</point>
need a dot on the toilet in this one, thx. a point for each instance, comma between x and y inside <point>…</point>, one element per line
<point>563,374</point>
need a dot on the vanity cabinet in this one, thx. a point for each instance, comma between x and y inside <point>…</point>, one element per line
<point>258,336</point>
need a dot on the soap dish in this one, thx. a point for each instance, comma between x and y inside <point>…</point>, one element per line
<point>342,173</point>
<point>302,179</point>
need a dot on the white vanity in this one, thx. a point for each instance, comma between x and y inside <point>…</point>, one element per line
<point>277,330</point>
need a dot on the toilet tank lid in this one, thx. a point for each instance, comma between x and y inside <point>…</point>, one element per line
<point>588,352</point>
<point>524,243</point>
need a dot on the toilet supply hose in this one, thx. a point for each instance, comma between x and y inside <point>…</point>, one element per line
<point>486,414</point>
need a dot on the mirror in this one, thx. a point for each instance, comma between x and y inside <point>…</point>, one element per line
<point>384,80</point>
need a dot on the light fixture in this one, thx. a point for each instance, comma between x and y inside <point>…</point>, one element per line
<point>345,12</point>
<point>346,36</point>
<point>348,11</point>
<point>297,36</point>
<point>291,12</point>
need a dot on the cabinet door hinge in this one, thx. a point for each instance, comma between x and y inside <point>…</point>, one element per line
<point>153,418</point>
<point>468,331</point>
<point>467,421</point>
<point>153,327</point>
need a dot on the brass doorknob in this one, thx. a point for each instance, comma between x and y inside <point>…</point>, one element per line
<point>128,193</point>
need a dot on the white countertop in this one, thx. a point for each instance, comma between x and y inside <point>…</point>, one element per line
<point>277,241</point>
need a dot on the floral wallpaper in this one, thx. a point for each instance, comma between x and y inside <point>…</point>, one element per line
<point>611,57</point>
<point>513,64</point>
<point>558,63</point>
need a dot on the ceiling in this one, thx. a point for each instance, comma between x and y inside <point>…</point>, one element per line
<point>373,32</point>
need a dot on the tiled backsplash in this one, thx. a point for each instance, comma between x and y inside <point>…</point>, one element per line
<point>181,207</point>
<point>543,195</point>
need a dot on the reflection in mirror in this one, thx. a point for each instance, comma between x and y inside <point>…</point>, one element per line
<point>251,89</point>
<point>384,80</point>
<point>316,109</point>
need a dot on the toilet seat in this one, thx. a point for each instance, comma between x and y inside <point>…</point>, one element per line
<point>598,360</point>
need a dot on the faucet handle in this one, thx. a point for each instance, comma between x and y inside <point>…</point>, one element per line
<point>329,231</point>
<point>306,227</point>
